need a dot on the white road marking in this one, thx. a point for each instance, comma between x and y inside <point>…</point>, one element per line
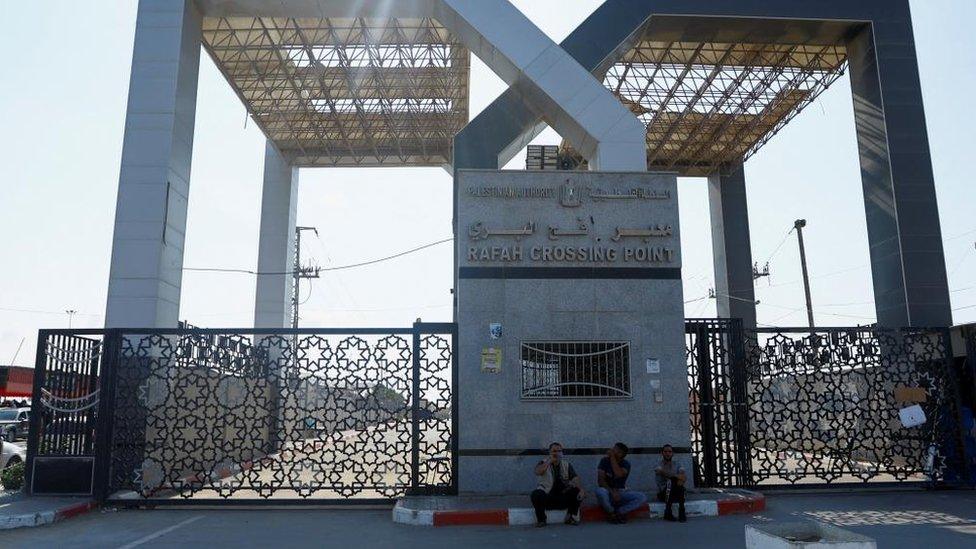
<point>160,533</point>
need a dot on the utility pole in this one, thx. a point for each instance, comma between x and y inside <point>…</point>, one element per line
<point>300,272</point>
<point>71,313</point>
<point>798,225</point>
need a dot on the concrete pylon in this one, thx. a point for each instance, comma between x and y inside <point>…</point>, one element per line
<point>154,183</point>
<point>276,247</point>
<point>911,286</point>
<point>731,248</point>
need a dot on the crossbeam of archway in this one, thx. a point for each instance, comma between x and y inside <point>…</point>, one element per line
<point>147,255</point>
<point>874,38</point>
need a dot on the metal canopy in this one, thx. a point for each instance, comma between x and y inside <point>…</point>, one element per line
<point>347,91</point>
<point>712,92</point>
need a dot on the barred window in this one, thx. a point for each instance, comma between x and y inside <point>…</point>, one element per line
<point>567,370</point>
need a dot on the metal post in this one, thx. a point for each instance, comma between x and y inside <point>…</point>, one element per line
<point>706,406</point>
<point>739,371</point>
<point>34,431</point>
<point>111,355</point>
<point>798,225</point>
<point>415,414</point>
<point>455,434</point>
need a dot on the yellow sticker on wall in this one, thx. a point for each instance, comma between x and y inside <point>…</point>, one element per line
<point>491,360</point>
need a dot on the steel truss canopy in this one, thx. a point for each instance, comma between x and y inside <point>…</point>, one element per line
<point>334,86</point>
<point>713,91</point>
<point>347,91</point>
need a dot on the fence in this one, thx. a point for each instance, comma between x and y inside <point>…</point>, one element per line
<point>365,416</point>
<point>796,407</point>
<point>195,416</point>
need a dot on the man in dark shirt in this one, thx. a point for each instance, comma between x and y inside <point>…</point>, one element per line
<point>612,493</point>
<point>559,487</point>
<point>670,477</point>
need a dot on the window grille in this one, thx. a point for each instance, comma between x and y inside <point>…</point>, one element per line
<point>568,370</point>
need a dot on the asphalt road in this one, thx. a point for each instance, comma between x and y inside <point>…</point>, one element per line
<point>945,520</point>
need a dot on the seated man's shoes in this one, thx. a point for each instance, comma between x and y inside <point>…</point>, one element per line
<point>571,520</point>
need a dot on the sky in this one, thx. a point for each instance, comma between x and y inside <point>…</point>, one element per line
<point>62,110</point>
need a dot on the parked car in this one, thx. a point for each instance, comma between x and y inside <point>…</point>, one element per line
<point>11,454</point>
<point>14,423</point>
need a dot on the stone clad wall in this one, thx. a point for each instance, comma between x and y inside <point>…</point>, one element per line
<point>577,272</point>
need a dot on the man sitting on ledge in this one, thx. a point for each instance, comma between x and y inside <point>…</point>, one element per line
<point>613,494</point>
<point>670,478</point>
<point>559,487</point>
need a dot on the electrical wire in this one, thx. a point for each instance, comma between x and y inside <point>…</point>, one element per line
<point>328,269</point>
<point>780,246</point>
<point>961,262</point>
<point>958,236</point>
<point>794,309</point>
<point>40,312</point>
<point>310,290</point>
<point>401,254</point>
<point>817,277</point>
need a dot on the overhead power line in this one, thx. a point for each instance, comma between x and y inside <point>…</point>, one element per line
<point>324,269</point>
<point>967,233</point>
<point>41,312</point>
<point>792,309</point>
<point>780,245</point>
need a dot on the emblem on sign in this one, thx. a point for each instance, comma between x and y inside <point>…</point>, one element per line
<point>569,195</point>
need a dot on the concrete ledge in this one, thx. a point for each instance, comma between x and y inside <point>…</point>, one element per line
<point>804,535</point>
<point>498,511</point>
<point>18,515</point>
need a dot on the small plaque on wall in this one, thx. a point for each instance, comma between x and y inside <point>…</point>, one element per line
<point>491,360</point>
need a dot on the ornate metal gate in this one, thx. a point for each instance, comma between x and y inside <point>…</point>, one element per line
<point>61,443</point>
<point>801,407</point>
<point>717,399</point>
<point>252,416</point>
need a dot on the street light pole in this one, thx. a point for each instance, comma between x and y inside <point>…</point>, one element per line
<point>798,225</point>
<point>70,313</point>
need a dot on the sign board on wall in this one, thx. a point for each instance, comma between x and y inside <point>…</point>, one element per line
<point>568,219</point>
<point>491,360</point>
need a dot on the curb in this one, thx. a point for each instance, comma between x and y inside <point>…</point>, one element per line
<point>30,520</point>
<point>753,502</point>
